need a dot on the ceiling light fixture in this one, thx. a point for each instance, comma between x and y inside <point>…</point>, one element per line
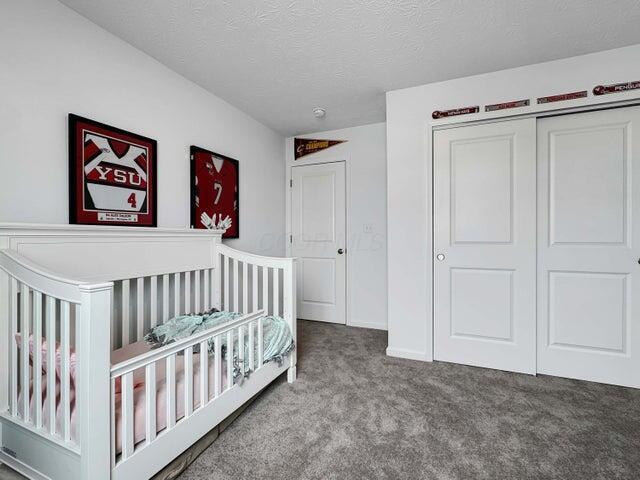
<point>319,112</point>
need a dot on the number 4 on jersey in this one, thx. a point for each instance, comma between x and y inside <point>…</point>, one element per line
<point>132,200</point>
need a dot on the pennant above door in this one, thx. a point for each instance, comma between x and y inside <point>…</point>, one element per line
<point>307,146</point>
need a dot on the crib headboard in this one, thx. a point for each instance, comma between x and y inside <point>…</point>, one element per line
<point>79,251</point>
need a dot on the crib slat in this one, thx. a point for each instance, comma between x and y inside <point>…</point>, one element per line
<point>216,277</point>
<point>112,392</point>
<point>25,317</point>
<point>127,415</point>
<point>170,365</point>
<point>276,292</point>
<point>265,289</point>
<point>260,345</point>
<point>254,289</point>
<point>114,315</point>
<point>165,298</point>
<point>140,308</point>
<point>51,360</point>
<point>217,358</point>
<point>216,282</point>
<point>251,327</point>
<point>150,399</point>
<point>176,294</point>
<point>207,303</point>
<point>76,328</point>
<point>188,381</point>
<point>125,312</point>
<point>196,289</point>
<point>245,287</point>
<point>187,292</point>
<point>241,349</point>
<point>204,373</point>
<point>65,393</point>
<point>153,301</point>
<point>229,359</point>
<point>236,285</point>
<point>227,264</point>
<point>37,357</point>
<point>13,394</point>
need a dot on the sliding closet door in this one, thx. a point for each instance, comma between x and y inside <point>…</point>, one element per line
<point>589,246</point>
<point>484,245</point>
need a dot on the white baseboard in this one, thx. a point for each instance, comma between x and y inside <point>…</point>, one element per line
<point>358,324</point>
<point>409,354</point>
<point>20,467</point>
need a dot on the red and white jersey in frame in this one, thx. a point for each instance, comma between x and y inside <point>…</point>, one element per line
<point>216,181</point>
<point>112,175</point>
<point>115,175</point>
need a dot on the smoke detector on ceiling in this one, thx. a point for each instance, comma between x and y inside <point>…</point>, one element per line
<point>319,112</point>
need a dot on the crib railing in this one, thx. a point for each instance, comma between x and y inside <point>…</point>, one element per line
<point>47,351</point>
<point>245,282</point>
<point>141,303</point>
<point>34,312</point>
<point>239,282</point>
<point>249,282</point>
<point>232,334</point>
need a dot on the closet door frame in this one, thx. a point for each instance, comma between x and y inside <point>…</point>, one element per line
<point>589,104</point>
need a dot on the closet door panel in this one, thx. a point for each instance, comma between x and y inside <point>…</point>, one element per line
<point>484,245</point>
<point>588,246</point>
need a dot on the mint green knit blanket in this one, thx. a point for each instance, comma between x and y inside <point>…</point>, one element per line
<point>277,338</point>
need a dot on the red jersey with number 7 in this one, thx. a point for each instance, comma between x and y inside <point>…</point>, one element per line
<point>216,180</point>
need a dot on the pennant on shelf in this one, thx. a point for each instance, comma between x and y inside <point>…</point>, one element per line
<point>506,105</point>
<point>616,88</point>
<point>455,112</point>
<point>562,97</point>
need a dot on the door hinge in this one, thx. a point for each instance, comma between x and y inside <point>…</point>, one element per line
<point>290,238</point>
<point>291,183</point>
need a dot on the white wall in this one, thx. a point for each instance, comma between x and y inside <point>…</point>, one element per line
<point>53,62</point>
<point>365,157</point>
<point>409,183</point>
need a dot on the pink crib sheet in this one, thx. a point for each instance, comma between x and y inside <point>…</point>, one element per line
<point>139,403</point>
<point>118,356</point>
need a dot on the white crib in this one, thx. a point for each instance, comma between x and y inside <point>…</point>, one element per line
<point>92,293</point>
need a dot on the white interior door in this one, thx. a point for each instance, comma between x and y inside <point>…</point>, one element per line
<point>484,245</point>
<point>318,240</point>
<point>589,246</point>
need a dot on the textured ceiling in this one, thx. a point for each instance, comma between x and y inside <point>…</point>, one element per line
<point>277,59</point>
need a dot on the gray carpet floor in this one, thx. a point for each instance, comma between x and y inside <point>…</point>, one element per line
<point>354,413</point>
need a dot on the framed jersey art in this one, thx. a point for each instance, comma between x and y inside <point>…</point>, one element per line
<point>214,191</point>
<point>112,175</point>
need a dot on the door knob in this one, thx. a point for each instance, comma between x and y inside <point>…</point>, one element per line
<point>440,256</point>
<point>340,251</point>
